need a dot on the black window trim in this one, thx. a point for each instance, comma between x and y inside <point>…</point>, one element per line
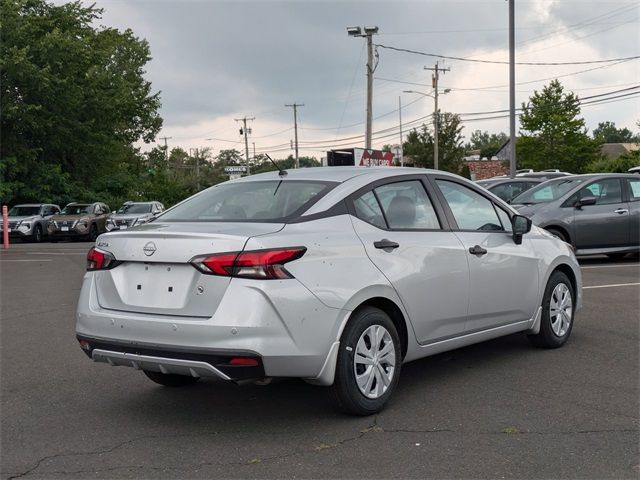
<point>451,218</point>
<point>422,178</point>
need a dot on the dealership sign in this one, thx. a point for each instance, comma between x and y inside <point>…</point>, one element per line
<point>372,158</point>
<point>235,169</point>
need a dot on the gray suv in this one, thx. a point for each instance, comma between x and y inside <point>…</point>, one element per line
<point>29,221</point>
<point>597,213</point>
<point>131,214</point>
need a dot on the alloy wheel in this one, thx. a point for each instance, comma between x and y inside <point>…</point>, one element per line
<point>560,309</point>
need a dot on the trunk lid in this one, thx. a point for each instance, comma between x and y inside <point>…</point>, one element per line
<point>156,276</point>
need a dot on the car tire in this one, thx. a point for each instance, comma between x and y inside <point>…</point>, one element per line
<point>558,234</point>
<point>354,375</point>
<point>37,234</point>
<point>93,232</point>
<point>558,311</point>
<point>170,380</point>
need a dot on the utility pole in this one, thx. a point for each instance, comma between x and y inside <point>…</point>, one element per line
<point>368,33</point>
<point>400,115</point>
<point>198,168</point>
<point>295,127</point>
<point>435,76</point>
<point>512,91</point>
<point>254,151</point>
<point>246,140</point>
<point>166,147</point>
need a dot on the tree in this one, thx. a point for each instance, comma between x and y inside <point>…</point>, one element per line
<point>74,100</point>
<point>552,133</point>
<point>419,144</point>
<point>487,143</point>
<point>608,133</point>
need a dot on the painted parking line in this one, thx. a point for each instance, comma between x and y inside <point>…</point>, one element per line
<point>611,266</point>
<point>39,260</point>
<point>612,285</point>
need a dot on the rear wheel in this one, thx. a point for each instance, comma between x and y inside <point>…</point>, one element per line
<point>557,313</point>
<point>368,365</point>
<point>37,234</point>
<point>170,380</point>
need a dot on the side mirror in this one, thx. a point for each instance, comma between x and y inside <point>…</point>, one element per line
<point>520,225</point>
<point>585,201</point>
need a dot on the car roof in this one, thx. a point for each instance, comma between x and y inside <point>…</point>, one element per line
<point>337,174</point>
<point>32,204</point>
<point>516,179</point>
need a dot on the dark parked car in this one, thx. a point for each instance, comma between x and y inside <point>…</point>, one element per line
<point>508,188</point>
<point>29,221</point>
<point>84,221</point>
<point>596,213</point>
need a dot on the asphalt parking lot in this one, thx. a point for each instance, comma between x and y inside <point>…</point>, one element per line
<point>500,409</point>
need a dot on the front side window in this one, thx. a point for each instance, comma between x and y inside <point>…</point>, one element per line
<point>606,191</point>
<point>262,201</point>
<point>471,210</point>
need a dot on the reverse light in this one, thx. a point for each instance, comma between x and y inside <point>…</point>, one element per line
<point>100,260</point>
<point>256,264</point>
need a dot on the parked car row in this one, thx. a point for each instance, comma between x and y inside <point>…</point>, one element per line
<point>82,221</point>
<point>595,213</point>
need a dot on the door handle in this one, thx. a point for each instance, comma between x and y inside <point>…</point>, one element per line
<point>384,244</point>
<point>477,250</point>
<point>621,211</point>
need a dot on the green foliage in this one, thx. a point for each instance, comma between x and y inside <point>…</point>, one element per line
<point>553,135</point>
<point>607,132</point>
<point>487,143</point>
<point>419,144</point>
<point>74,100</point>
<point>620,164</point>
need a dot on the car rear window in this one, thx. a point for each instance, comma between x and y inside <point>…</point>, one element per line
<point>259,201</point>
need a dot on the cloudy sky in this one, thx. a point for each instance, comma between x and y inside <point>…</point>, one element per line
<point>215,61</point>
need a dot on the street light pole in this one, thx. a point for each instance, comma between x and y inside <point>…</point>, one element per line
<point>400,118</point>
<point>368,33</point>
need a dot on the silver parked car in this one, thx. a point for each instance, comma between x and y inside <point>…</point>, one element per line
<point>596,213</point>
<point>29,221</point>
<point>131,214</point>
<point>335,275</point>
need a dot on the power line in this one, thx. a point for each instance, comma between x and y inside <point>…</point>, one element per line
<point>463,59</point>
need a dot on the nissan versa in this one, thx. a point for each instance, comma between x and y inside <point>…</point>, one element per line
<point>334,275</point>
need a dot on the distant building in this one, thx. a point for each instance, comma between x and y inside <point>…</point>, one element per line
<point>615,150</point>
<point>482,169</point>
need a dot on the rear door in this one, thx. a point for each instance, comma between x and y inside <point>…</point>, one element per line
<point>605,224</point>
<point>633,189</point>
<point>503,275</point>
<point>407,237</point>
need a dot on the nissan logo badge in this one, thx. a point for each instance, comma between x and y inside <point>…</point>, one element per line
<point>149,249</point>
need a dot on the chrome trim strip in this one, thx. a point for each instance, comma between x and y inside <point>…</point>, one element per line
<point>163,364</point>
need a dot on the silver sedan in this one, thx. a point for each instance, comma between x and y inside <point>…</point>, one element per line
<point>335,275</point>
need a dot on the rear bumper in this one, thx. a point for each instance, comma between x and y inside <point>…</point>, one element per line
<point>278,322</point>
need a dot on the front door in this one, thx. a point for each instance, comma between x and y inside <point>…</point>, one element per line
<point>605,224</point>
<point>503,275</point>
<point>424,261</point>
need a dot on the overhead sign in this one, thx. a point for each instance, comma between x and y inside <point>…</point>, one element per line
<point>372,158</point>
<point>235,169</point>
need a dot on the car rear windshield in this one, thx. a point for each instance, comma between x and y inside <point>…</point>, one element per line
<point>546,192</point>
<point>19,211</point>
<point>260,201</point>
<point>76,209</point>
<point>135,208</point>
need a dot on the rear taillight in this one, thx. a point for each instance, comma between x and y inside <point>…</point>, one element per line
<point>256,264</point>
<point>99,260</point>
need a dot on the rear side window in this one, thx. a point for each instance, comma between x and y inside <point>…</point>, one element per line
<point>259,201</point>
<point>634,189</point>
<point>471,210</point>
<point>400,205</point>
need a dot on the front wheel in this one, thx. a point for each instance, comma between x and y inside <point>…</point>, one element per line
<point>37,234</point>
<point>557,313</point>
<point>368,365</point>
<point>170,380</point>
